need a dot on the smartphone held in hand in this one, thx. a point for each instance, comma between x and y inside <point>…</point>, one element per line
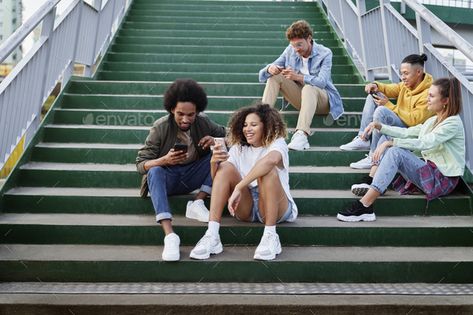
<point>221,143</point>
<point>180,147</point>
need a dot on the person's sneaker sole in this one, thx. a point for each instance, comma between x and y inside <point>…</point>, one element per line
<point>367,217</point>
<point>344,148</point>
<point>171,257</point>
<point>360,167</point>
<point>215,251</point>
<point>190,215</point>
<point>359,191</point>
<point>306,147</point>
<point>269,257</point>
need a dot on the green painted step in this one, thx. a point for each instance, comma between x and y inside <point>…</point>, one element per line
<point>201,76</point>
<point>212,42</point>
<point>78,86</point>
<point>81,263</point>
<point>306,231</point>
<point>137,15</point>
<point>218,50</point>
<point>151,102</point>
<point>194,67</point>
<point>133,134</point>
<point>121,154</point>
<point>202,8</point>
<point>209,34</point>
<point>309,202</point>
<point>198,58</point>
<point>220,16</point>
<point>214,25</point>
<point>146,118</point>
<point>126,176</point>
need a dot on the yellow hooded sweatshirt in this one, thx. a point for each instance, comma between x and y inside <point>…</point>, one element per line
<point>411,105</point>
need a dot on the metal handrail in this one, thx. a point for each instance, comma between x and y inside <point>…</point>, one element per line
<point>14,40</point>
<point>459,42</point>
<point>79,35</point>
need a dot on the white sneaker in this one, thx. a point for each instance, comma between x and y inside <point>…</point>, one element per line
<point>171,247</point>
<point>360,189</point>
<point>365,163</point>
<point>207,245</point>
<point>299,141</point>
<point>268,247</point>
<point>356,144</point>
<point>197,210</point>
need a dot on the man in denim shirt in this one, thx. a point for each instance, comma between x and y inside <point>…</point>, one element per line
<point>303,75</point>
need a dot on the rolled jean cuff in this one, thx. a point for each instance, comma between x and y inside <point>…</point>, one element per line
<point>163,216</point>
<point>377,189</point>
<point>206,189</point>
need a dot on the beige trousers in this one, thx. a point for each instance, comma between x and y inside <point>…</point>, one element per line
<point>308,99</point>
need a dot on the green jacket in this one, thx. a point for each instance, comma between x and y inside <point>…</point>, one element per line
<point>444,145</point>
<point>163,135</point>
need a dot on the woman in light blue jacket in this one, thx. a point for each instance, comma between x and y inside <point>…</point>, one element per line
<point>441,142</point>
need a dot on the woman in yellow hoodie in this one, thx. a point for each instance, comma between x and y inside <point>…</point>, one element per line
<point>410,108</point>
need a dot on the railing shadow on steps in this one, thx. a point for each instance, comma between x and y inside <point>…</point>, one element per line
<point>380,38</point>
<point>80,35</point>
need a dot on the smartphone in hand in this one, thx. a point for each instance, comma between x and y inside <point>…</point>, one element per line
<point>180,147</point>
<point>221,143</point>
<point>377,94</point>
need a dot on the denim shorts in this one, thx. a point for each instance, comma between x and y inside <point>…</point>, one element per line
<point>256,216</point>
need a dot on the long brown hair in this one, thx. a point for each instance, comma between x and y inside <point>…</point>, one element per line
<point>273,124</point>
<point>450,88</point>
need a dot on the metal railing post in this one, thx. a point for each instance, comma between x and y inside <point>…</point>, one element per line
<point>47,29</point>
<point>88,68</point>
<point>361,6</point>
<point>389,65</point>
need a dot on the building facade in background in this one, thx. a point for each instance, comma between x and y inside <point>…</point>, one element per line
<point>10,20</point>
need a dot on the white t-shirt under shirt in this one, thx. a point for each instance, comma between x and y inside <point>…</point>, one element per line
<point>305,66</point>
<point>245,157</point>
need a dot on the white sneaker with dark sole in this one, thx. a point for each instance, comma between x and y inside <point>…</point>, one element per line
<point>360,189</point>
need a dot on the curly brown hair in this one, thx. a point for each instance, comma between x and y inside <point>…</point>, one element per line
<point>273,125</point>
<point>299,29</point>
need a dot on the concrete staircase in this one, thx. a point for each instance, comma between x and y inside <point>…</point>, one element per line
<point>71,210</point>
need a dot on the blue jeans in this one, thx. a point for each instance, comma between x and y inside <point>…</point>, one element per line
<point>372,112</point>
<point>177,179</point>
<point>395,160</point>
<point>255,214</point>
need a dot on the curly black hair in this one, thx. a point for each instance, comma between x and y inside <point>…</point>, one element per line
<point>185,90</point>
<point>273,124</point>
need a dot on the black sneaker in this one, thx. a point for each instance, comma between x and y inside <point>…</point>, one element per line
<point>357,212</point>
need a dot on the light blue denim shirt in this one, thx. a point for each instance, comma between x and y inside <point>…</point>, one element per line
<point>320,66</point>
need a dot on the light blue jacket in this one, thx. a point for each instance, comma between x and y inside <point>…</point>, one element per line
<point>320,66</point>
<point>443,144</point>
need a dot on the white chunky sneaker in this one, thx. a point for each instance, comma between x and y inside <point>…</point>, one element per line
<point>171,247</point>
<point>268,247</point>
<point>299,141</point>
<point>356,144</point>
<point>365,163</point>
<point>360,189</point>
<point>208,245</point>
<point>197,210</point>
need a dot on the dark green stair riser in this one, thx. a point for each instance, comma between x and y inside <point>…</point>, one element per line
<point>307,206</point>
<point>322,138</point>
<point>236,271</point>
<point>212,89</point>
<point>239,235</point>
<point>127,156</point>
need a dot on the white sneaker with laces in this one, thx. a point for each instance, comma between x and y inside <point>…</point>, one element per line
<point>360,189</point>
<point>197,210</point>
<point>171,247</point>
<point>356,144</point>
<point>208,245</point>
<point>299,141</point>
<point>365,163</point>
<point>268,247</point>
